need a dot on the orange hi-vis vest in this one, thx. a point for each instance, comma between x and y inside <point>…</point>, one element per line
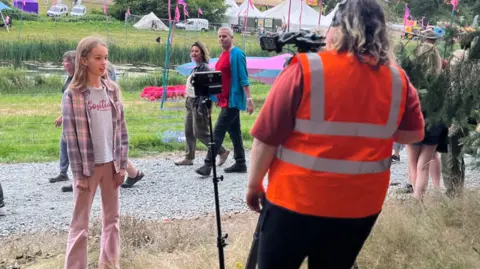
<point>336,162</point>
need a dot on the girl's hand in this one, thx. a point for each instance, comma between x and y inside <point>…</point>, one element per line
<point>58,122</point>
<point>82,185</point>
<point>119,177</point>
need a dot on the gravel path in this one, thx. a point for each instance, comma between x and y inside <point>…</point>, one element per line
<point>167,191</point>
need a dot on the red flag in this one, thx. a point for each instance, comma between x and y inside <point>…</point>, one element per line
<point>177,14</point>
<point>200,11</point>
<point>455,4</point>
<point>185,11</point>
<point>406,16</point>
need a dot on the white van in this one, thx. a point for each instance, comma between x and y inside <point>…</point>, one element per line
<point>193,25</point>
<point>78,10</point>
<point>58,10</point>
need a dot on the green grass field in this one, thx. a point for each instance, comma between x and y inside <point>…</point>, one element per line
<point>74,31</point>
<point>28,133</point>
<point>47,40</point>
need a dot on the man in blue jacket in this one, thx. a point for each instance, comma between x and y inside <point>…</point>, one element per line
<point>235,96</point>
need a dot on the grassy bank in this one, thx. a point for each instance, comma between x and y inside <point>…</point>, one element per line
<point>29,108</point>
<point>46,41</point>
<point>15,52</point>
<point>443,235</point>
<point>16,81</point>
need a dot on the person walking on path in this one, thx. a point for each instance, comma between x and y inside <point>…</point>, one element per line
<point>196,118</point>
<point>235,97</point>
<point>69,67</point>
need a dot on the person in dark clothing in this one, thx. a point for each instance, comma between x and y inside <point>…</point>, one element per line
<point>3,212</point>
<point>196,118</point>
<point>69,67</point>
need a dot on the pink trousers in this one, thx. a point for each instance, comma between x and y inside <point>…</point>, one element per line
<point>77,254</point>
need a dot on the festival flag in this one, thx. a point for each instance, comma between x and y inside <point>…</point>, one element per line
<point>320,3</point>
<point>300,18</point>
<point>200,12</point>
<point>177,14</point>
<point>185,11</point>
<point>104,8</point>
<point>407,15</point>
<point>454,4</point>
<point>250,2</point>
<point>24,3</point>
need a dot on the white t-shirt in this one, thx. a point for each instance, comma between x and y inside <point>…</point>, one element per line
<point>100,111</point>
<point>190,90</point>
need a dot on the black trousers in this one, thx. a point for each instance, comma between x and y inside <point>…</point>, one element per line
<point>287,238</point>
<point>1,196</point>
<point>228,121</point>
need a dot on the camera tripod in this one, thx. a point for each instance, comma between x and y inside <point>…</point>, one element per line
<point>220,237</point>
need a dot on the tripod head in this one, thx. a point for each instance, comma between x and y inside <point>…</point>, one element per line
<point>304,40</point>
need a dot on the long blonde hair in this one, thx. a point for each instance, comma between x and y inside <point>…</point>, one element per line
<point>84,47</point>
<point>363,32</point>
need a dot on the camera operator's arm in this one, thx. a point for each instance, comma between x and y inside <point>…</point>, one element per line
<point>272,127</point>
<point>412,126</point>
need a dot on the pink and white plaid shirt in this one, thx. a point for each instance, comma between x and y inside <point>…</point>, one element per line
<point>77,133</point>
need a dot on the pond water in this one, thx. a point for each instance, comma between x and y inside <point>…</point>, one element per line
<point>35,68</point>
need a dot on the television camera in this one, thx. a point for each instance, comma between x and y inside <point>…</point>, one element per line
<point>305,41</point>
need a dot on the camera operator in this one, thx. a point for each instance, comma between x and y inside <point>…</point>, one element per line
<point>235,96</point>
<point>325,135</point>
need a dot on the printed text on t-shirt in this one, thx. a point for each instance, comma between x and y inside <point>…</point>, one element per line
<point>103,105</point>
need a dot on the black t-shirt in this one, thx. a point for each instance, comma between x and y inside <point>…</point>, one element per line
<point>67,82</point>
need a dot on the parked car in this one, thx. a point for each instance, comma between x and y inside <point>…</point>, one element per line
<point>193,25</point>
<point>78,10</point>
<point>58,10</point>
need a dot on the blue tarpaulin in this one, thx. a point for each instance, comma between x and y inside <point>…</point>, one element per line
<point>3,6</point>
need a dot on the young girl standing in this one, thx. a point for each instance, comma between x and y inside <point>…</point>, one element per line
<point>97,144</point>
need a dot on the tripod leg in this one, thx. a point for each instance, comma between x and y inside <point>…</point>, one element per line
<point>253,255</point>
<point>220,238</point>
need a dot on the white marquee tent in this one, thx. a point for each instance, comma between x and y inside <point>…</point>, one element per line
<point>245,8</point>
<point>303,19</point>
<point>280,11</point>
<point>325,21</point>
<point>231,7</point>
<point>308,14</point>
<point>150,21</point>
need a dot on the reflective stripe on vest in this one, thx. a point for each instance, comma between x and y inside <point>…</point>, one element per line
<point>317,125</point>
